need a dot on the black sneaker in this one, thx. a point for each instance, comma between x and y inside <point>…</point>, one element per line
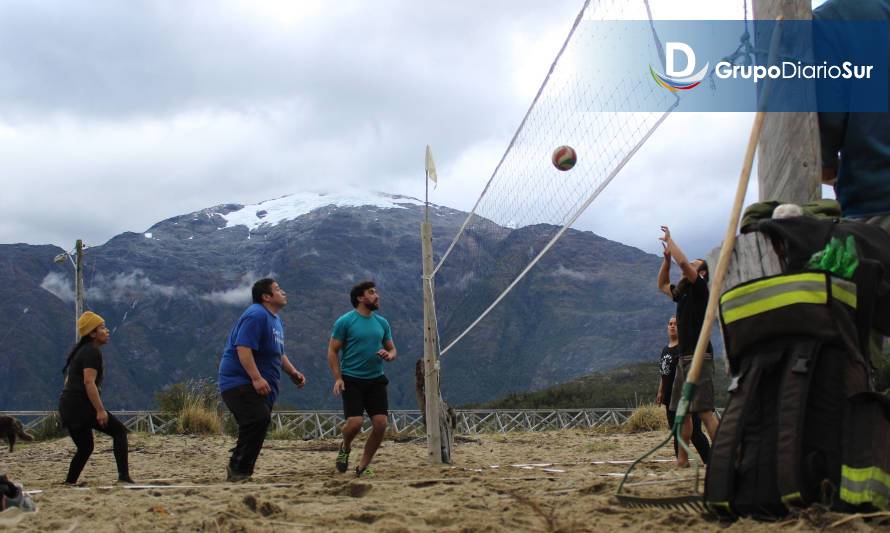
<point>235,477</point>
<point>343,460</point>
<point>125,480</point>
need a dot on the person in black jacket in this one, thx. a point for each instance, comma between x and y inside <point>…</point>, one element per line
<point>80,404</point>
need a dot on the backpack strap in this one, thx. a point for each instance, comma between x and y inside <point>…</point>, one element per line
<point>801,358</point>
<point>721,492</point>
<point>720,480</point>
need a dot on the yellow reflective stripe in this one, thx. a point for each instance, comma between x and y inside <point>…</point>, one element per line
<point>723,505</point>
<point>774,302</point>
<point>770,282</point>
<point>780,291</point>
<point>865,496</point>
<point>865,485</point>
<point>864,474</point>
<point>793,496</point>
<point>767,292</point>
<point>844,291</point>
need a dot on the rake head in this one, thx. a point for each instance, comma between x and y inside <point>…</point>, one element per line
<point>689,504</point>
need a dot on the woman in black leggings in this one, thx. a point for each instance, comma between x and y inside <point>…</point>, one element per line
<point>80,405</point>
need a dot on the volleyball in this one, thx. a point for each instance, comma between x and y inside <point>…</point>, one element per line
<point>564,158</point>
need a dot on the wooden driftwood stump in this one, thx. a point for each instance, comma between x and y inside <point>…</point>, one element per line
<point>753,257</point>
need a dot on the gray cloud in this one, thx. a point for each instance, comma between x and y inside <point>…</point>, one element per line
<point>115,288</point>
<point>106,107</point>
<point>238,295</point>
<point>342,66</point>
<point>562,271</point>
<point>132,287</point>
<point>58,286</point>
<point>128,287</point>
<point>114,116</point>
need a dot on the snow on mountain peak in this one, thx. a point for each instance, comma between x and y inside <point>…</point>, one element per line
<point>273,212</point>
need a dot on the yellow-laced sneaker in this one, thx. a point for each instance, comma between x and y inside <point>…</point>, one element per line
<point>343,460</point>
<point>364,472</point>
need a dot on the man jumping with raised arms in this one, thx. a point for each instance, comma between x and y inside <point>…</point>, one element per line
<point>360,341</point>
<point>691,296</point>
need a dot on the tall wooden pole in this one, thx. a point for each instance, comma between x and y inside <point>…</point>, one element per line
<point>430,354</point>
<point>439,434</point>
<point>789,166</point>
<point>78,285</point>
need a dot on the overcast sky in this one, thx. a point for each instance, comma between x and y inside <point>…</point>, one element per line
<point>116,115</point>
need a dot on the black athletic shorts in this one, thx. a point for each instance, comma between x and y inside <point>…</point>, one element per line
<point>368,395</point>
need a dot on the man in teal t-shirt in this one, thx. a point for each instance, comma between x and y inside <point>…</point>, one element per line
<point>361,341</point>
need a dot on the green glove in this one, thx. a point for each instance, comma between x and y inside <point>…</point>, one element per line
<point>851,258</point>
<point>841,259</point>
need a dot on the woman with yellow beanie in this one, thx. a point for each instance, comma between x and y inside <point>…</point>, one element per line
<point>80,405</point>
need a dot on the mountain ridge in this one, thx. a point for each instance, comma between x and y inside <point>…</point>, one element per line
<point>171,294</point>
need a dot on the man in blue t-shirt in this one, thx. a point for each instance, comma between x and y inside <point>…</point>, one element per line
<point>249,373</point>
<point>360,341</point>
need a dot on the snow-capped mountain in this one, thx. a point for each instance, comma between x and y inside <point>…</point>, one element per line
<point>171,293</point>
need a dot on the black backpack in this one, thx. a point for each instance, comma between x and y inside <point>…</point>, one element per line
<point>803,424</point>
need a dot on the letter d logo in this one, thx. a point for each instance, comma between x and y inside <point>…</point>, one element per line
<point>673,47</point>
<point>679,80</point>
